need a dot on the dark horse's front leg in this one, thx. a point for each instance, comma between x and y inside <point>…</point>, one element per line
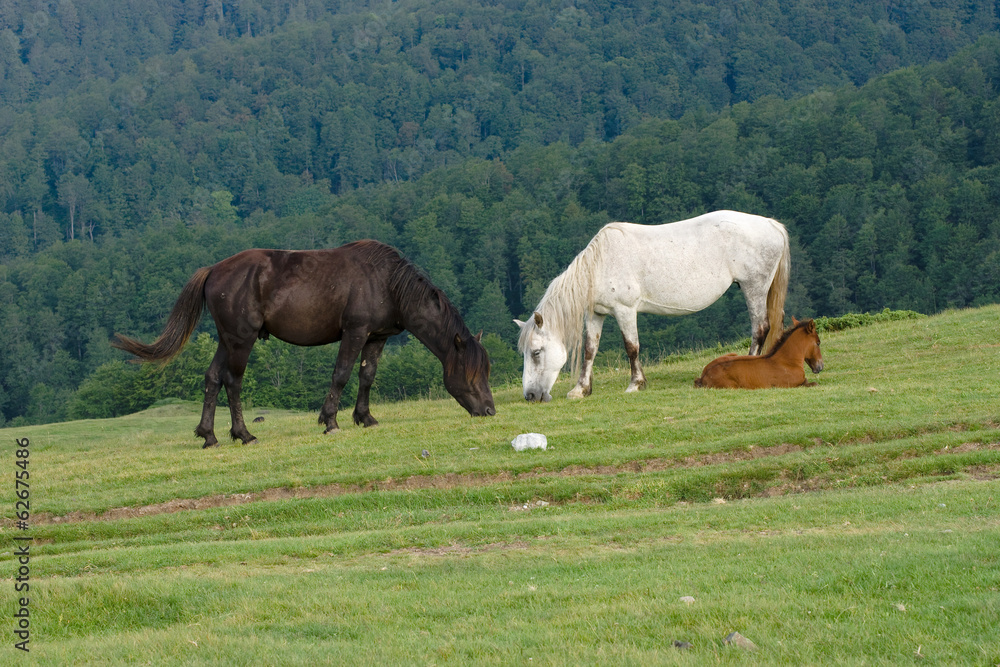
<point>370,354</point>
<point>350,346</point>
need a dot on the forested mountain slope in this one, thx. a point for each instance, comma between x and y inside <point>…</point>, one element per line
<point>488,142</point>
<point>119,110</point>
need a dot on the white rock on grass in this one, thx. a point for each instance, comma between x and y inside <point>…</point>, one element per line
<point>736,639</point>
<point>529,441</point>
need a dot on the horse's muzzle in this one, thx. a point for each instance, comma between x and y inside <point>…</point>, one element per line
<point>532,397</point>
<point>817,367</point>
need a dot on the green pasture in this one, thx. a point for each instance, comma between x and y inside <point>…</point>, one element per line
<point>855,522</point>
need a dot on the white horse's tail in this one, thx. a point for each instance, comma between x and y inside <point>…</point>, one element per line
<point>776,294</point>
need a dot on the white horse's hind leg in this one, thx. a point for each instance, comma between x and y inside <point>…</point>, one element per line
<point>630,334</point>
<point>757,306</point>
<point>592,338</point>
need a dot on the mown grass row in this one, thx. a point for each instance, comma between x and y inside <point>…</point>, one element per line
<point>860,575</point>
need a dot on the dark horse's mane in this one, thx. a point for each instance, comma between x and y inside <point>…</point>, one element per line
<point>409,286</point>
<point>786,334</point>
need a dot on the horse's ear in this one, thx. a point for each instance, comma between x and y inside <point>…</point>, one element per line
<point>479,336</point>
<point>459,343</point>
<point>795,322</point>
<point>538,319</point>
<point>519,323</point>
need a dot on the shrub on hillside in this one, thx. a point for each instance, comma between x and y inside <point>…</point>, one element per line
<point>854,320</point>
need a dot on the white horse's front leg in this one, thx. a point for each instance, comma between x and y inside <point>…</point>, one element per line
<point>592,337</point>
<point>630,334</point>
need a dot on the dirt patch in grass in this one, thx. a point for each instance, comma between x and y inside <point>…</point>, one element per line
<point>459,480</point>
<point>983,473</point>
<point>458,549</point>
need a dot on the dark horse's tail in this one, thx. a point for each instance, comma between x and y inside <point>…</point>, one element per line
<point>183,319</point>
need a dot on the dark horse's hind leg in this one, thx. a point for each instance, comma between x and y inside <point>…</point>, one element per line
<point>350,346</point>
<point>232,378</point>
<point>213,382</point>
<point>227,368</point>
<point>370,354</point>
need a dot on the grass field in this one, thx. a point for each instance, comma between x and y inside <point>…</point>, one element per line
<point>855,522</point>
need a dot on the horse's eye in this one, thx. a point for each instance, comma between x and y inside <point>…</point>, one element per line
<point>535,354</point>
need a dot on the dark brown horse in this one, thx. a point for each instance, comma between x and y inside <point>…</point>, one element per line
<point>360,294</point>
<point>781,367</point>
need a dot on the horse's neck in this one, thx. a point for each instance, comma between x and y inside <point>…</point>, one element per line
<point>568,298</point>
<point>426,321</point>
<point>791,350</point>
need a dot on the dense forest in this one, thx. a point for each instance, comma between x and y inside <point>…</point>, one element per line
<point>488,142</point>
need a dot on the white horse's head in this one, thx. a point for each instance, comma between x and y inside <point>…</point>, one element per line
<point>544,356</point>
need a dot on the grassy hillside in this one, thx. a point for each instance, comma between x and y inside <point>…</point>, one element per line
<point>853,522</point>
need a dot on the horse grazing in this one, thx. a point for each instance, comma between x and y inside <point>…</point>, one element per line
<point>359,294</point>
<point>781,367</point>
<point>671,269</point>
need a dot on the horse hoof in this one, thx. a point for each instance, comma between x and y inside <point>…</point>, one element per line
<point>366,420</point>
<point>574,394</point>
<point>252,441</point>
<point>332,430</point>
<point>210,444</point>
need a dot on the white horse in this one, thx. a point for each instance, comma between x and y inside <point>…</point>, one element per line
<point>671,269</point>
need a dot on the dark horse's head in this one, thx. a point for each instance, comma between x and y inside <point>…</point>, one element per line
<point>467,376</point>
<point>429,315</point>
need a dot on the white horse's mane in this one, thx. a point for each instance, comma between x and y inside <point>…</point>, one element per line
<point>570,297</point>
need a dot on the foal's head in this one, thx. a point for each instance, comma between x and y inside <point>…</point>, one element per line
<point>807,338</point>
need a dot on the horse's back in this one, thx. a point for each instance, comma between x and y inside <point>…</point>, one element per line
<point>699,226</point>
<point>685,266</point>
<point>737,240</point>
<point>300,296</point>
